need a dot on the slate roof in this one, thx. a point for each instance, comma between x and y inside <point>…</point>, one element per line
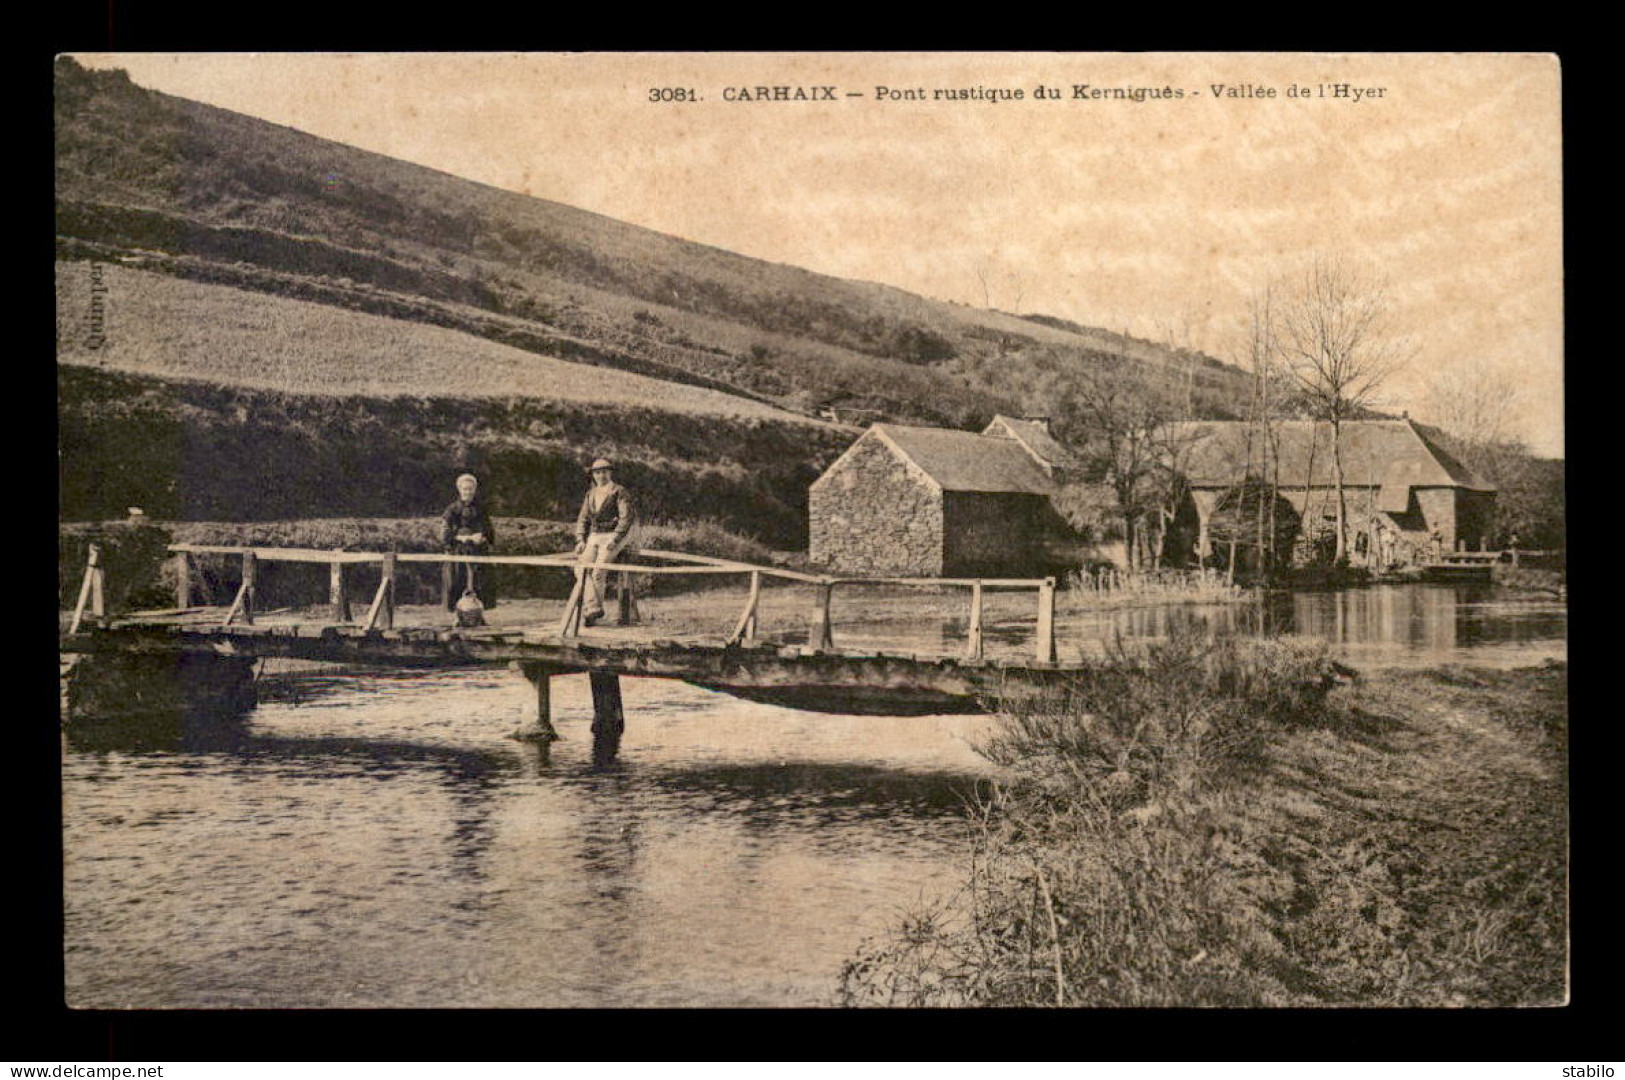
<point>1388,454</point>
<point>966,461</point>
<point>1035,436</point>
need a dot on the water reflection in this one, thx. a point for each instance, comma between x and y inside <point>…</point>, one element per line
<point>1422,625</point>
<point>360,850</point>
<point>1383,625</point>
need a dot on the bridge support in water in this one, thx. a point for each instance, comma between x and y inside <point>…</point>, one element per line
<point>541,728</point>
<point>608,719</point>
<point>608,714</point>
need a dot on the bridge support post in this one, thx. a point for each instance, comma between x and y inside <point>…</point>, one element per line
<point>541,729</point>
<point>608,720</point>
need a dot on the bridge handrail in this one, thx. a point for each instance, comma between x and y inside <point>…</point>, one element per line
<point>819,635</point>
<point>705,564</point>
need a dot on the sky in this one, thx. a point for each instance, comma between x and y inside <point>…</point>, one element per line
<point>1157,214</point>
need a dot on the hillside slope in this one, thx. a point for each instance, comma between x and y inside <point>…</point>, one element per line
<point>202,192</point>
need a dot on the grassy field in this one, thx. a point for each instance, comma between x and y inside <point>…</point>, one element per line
<point>1210,823</point>
<point>160,325</point>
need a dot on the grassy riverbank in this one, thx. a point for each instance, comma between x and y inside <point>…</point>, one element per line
<point>1213,824</point>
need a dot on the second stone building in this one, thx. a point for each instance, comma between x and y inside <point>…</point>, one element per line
<point>933,502</point>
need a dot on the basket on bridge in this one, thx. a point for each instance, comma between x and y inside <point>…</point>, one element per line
<point>470,612</point>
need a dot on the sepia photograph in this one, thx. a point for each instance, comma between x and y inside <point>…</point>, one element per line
<point>730,530</point>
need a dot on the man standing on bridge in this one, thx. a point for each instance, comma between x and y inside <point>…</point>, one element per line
<point>602,528</point>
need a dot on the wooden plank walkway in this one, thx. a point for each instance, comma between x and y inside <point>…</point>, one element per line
<point>793,675</point>
<point>815,675</point>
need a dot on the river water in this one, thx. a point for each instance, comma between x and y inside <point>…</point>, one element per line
<point>374,839</point>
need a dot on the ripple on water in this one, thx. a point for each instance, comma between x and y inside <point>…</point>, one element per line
<point>382,843</point>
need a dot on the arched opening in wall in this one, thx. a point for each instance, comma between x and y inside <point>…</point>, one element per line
<point>1253,529</point>
<point>1184,533</point>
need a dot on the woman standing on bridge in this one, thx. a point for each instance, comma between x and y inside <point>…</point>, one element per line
<point>466,530</point>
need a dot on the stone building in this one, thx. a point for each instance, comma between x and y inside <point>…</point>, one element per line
<point>933,502</point>
<point>1406,498</point>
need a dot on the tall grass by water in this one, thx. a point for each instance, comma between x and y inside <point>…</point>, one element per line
<point>1096,586</point>
<point>1205,823</point>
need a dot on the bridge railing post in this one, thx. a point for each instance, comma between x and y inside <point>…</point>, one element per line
<point>251,573</point>
<point>819,637</point>
<point>183,580</point>
<point>98,595</point>
<point>973,646</point>
<point>1046,622</point>
<point>337,595</point>
<point>244,603</point>
<point>570,624</point>
<point>745,628</point>
<point>387,586</point>
<point>626,600</point>
<point>88,588</point>
<point>383,602</point>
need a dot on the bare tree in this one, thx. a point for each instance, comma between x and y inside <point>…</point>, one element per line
<point>1338,343</point>
<point>1258,351</point>
<point>1475,410</point>
<point>1119,417</point>
<point>987,274</point>
<point>981,269</point>
<point>1473,405</point>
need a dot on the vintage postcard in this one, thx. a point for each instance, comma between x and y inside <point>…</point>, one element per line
<point>749,530</point>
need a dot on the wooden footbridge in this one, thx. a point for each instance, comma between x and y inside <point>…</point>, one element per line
<point>1465,566</point>
<point>794,665</point>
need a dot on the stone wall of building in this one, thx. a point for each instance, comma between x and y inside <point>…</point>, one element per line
<point>1453,513</point>
<point>873,513</point>
<point>1438,507</point>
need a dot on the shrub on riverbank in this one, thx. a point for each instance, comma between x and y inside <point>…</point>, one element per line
<point>1201,826</point>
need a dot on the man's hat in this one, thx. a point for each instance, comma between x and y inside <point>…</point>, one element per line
<point>601,463</point>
